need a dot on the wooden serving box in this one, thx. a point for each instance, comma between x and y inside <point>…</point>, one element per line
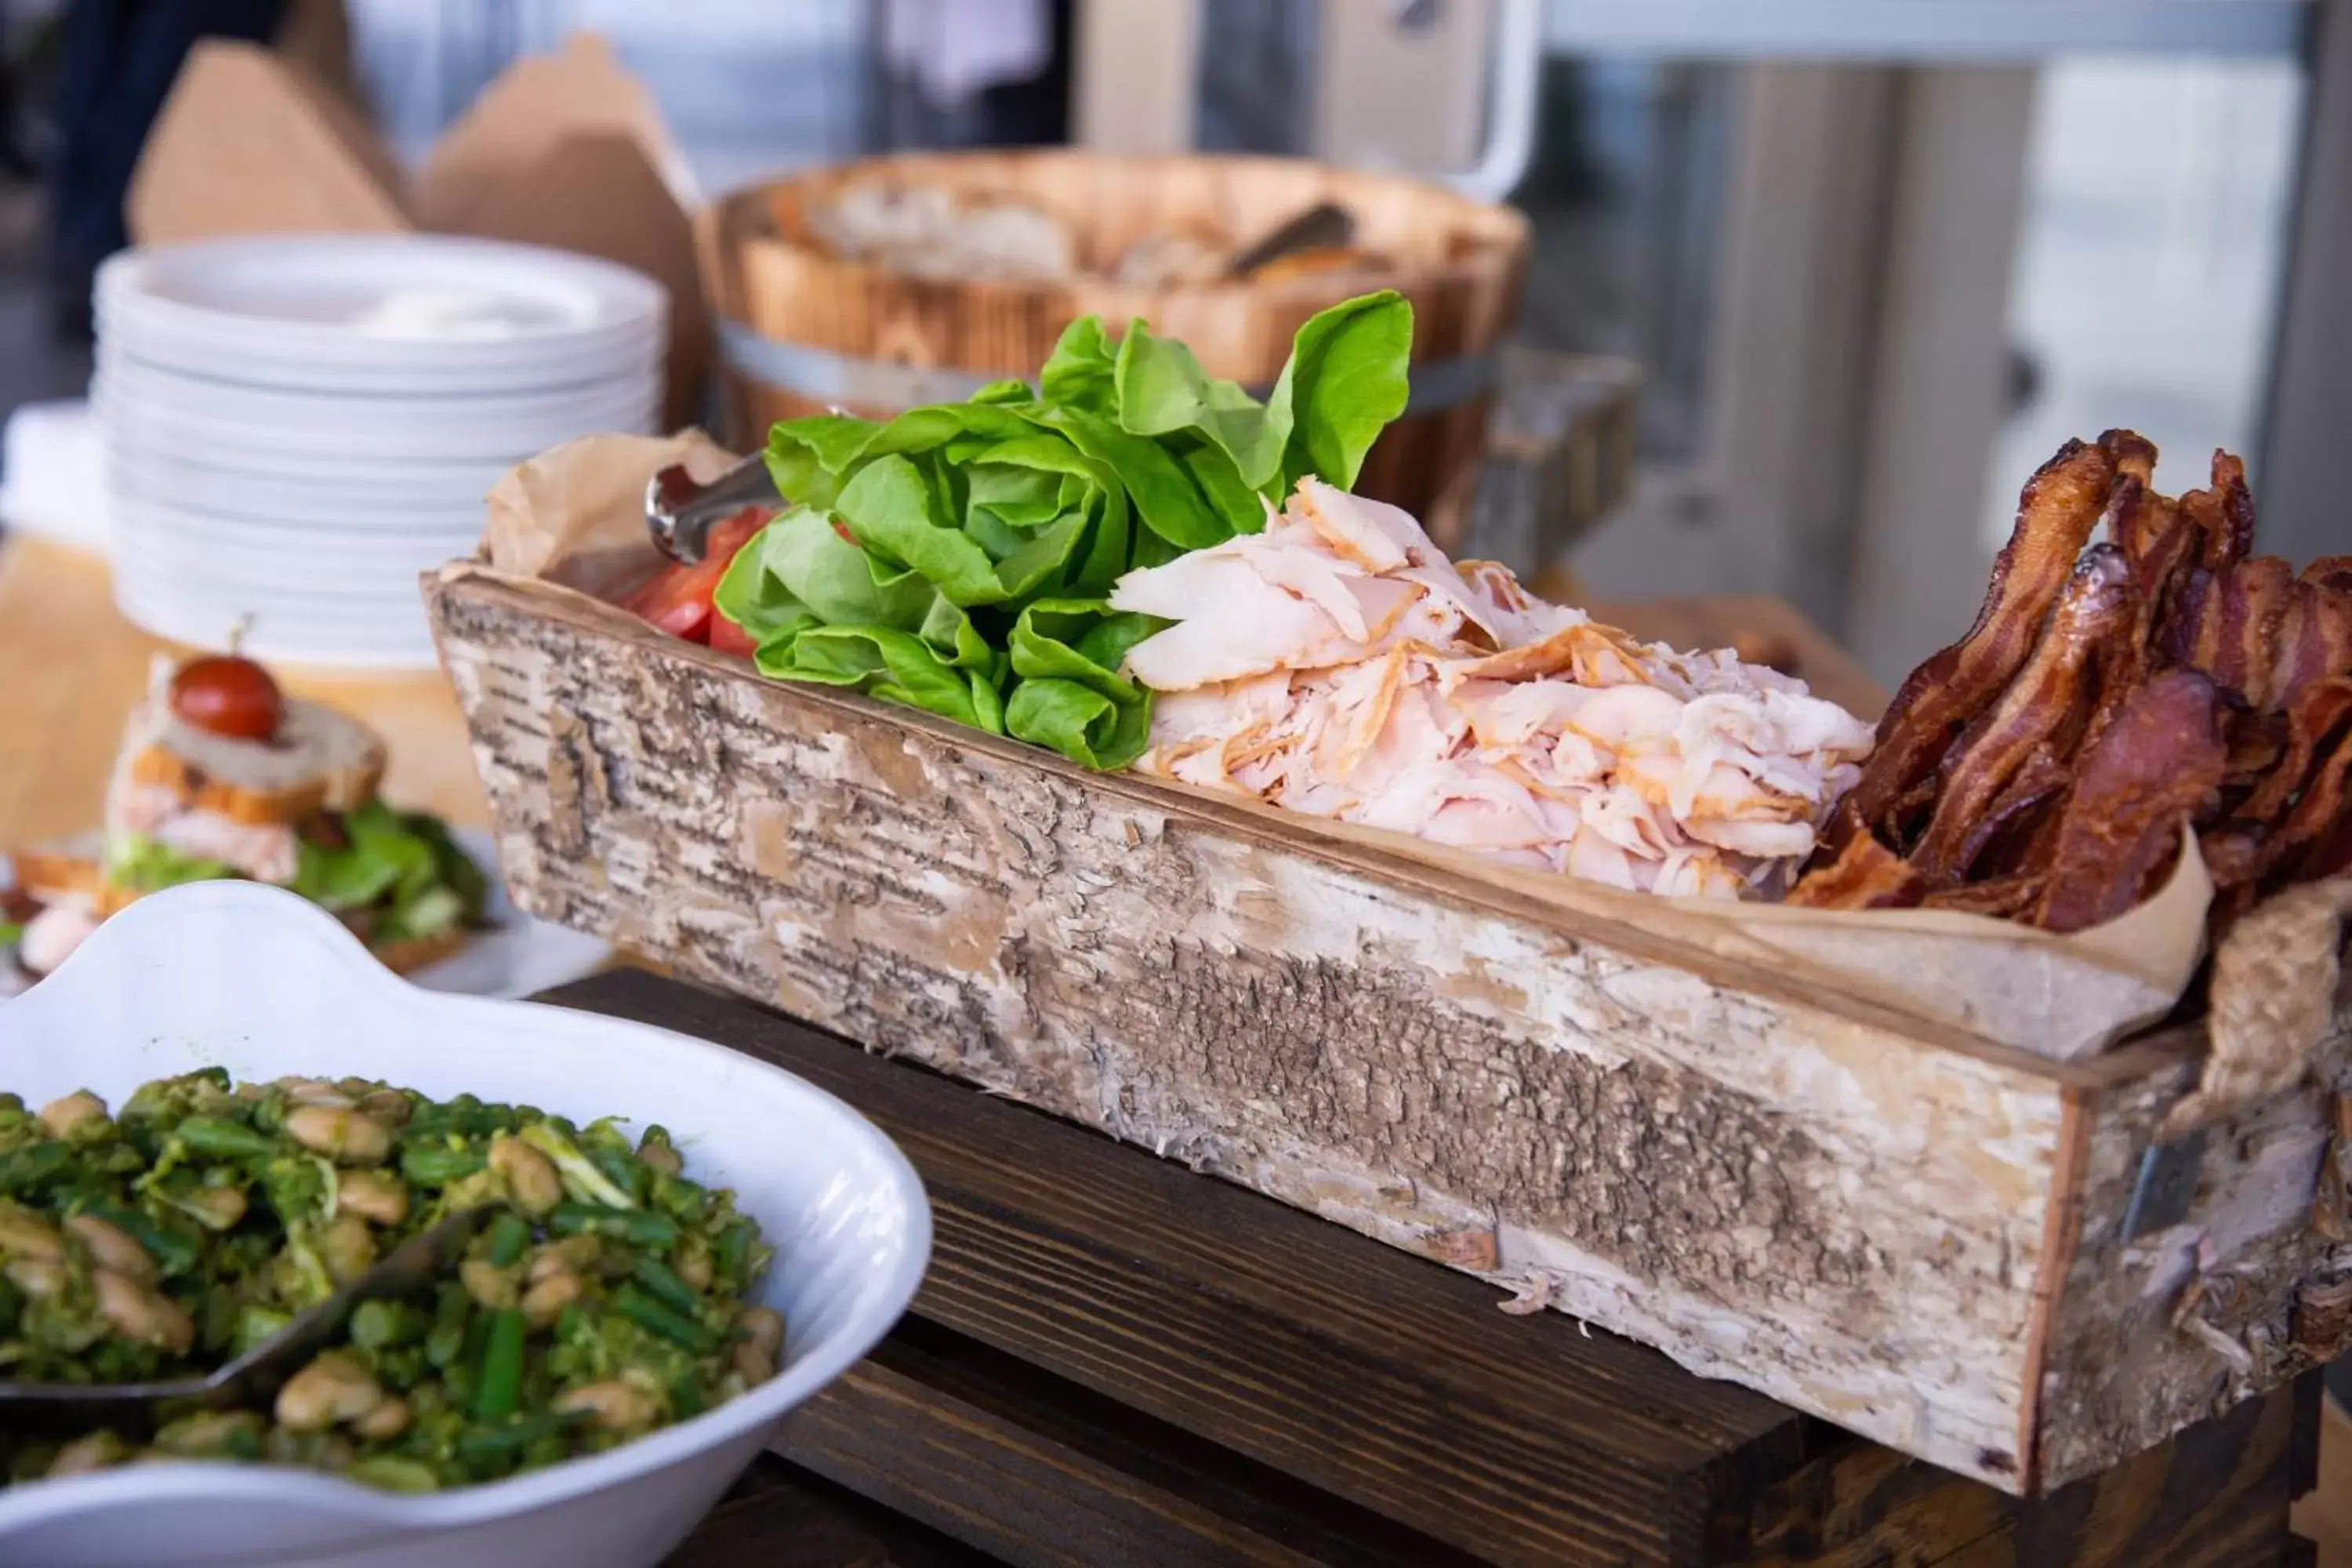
<point>1968,1252</point>
<point>804,330</point>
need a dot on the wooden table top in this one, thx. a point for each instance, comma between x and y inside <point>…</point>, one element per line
<point>1115,1360</point>
<point>75,667</point>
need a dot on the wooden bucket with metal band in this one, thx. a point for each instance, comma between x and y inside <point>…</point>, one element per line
<point>803,329</point>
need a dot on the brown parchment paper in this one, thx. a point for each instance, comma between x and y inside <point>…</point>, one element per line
<point>575,516</point>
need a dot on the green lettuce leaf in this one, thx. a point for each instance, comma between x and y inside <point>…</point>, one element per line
<point>403,866</point>
<point>144,866</point>
<point>1071,696</point>
<point>1163,390</point>
<point>954,558</point>
<point>1345,380</point>
<point>893,666</point>
<point>1163,494</point>
<point>1081,371</point>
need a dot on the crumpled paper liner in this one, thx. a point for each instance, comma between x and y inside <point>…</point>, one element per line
<point>575,516</point>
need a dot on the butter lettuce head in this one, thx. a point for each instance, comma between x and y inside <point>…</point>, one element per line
<point>955,558</point>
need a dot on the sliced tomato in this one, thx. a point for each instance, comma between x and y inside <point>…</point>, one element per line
<point>726,636</point>
<point>675,602</point>
<point>677,598</point>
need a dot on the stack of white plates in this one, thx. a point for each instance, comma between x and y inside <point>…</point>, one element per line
<point>294,427</point>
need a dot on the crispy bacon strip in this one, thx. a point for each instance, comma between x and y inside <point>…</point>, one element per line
<point>2229,623</point>
<point>2315,640</point>
<point>2003,898</point>
<point>2319,810</point>
<point>2330,571</point>
<point>2233,854</point>
<point>2257,741</point>
<point>2312,721</point>
<point>2150,531</point>
<point>2162,540</point>
<point>2329,855</point>
<point>2159,762</point>
<point>2044,778</point>
<point>2224,514</point>
<point>2134,455</point>
<point>1866,875</point>
<point>2096,618</point>
<point>2055,514</point>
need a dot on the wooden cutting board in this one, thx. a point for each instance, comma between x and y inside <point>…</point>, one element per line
<point>74,667</point>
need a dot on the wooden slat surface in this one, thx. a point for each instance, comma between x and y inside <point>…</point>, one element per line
<point>1221,1313</point>
<point>1038,1471</point>
<point>2215,1497</point>
<point>779,1516</point>
<point>1057,1396</point>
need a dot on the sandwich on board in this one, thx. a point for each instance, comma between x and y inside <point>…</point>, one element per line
<point>223,776</point>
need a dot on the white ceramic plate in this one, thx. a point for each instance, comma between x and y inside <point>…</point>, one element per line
<point>278,555</point>
<point>519,957</point>
<point>275,634</point>
<point>446,414</point>
<point>256,981</point>
<point>391,497</point>
<point>370,607</point>
<point>286,309</point>
<point>187,425</point>
<point>384,601</point>
<point>559,364</point>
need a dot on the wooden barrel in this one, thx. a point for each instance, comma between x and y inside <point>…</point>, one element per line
<point>804,329</point>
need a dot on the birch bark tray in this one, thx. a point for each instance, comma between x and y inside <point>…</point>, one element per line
<point>1968,1252</point>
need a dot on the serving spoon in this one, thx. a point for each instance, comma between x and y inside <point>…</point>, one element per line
<point>254,1377</point>
<point>1324,224</point>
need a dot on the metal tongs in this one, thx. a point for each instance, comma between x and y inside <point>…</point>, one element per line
<point>254,1377</point>
<point>680,514</point>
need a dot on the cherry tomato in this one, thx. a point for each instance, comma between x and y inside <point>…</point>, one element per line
<point>677,598</point>
<point>228,696</point>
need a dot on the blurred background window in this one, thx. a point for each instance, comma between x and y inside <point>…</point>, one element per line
<point>749,86</point>
<point>2147,288</point>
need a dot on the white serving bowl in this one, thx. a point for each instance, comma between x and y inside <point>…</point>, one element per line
<point>257,981</point>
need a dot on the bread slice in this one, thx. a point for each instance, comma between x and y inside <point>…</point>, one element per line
<point>321,759</point>
<point>411,953</point>
<point>72,867</point>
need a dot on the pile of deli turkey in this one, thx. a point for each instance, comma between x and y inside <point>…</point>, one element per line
<point>1337,664</point>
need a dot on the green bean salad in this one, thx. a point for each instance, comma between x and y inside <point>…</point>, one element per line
<point>604,1295</point>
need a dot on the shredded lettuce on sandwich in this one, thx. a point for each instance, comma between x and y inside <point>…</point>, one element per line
<point>398,876</point>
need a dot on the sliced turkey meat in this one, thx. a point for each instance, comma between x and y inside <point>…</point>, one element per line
<point>1339,664</point>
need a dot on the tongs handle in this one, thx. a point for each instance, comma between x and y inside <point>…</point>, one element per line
<point>680,514</point>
